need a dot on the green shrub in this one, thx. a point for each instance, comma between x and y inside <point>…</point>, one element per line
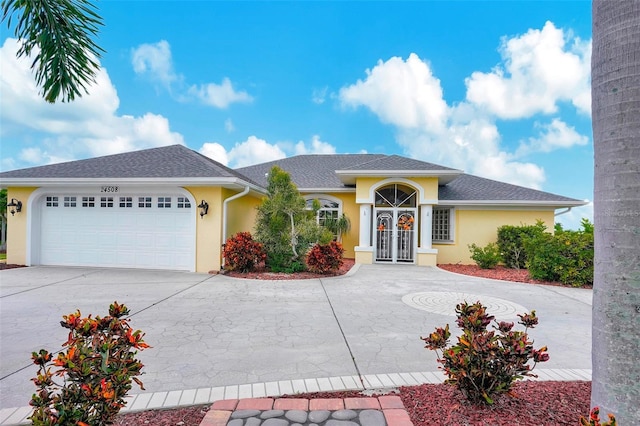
<point>594,419</point>
<point>97,368</point>
<point>484,363</point>
<point>566,256</point>
<point>325,258</point>
<point>284,225</point>
<point>283,262</point>
<point>511,242</point>
<point>242,253</point>
<point>487,257</point>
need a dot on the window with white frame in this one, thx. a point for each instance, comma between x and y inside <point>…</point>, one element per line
<point>69,201</point>
<point>106,201</point>
<point>164,202</point>
<point>329,210</point>
<point>88,201</point>
<point>441,224</point>
<point>183,203</point>
<point>52,201</point>
<point>144,202</point>
<point>126,202</point>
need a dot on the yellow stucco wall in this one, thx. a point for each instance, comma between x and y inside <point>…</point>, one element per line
<point>208,228</point>
<point>429,186</point>
<point>17,226</point>
<point>241,213</point>
<point>481,226</point>
<point>363,187</point>
<point>426,259</point>
<point>209,239</point>
<point>352,211</point>
<point>470,226</point>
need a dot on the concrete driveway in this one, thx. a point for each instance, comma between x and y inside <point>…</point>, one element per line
<point>216,331</point>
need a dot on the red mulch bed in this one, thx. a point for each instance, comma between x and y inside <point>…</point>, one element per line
<point>499,273</point>
<point>262,274</point>
<point>529,403</point>
<point>10,266</point>
<point>188,416</point>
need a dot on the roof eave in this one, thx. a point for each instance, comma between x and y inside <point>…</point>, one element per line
<point>344,189</point>
<point>348,177</point>
<point>515,203</point>
<point>226,182</point>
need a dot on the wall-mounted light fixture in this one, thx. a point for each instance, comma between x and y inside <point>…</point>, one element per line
<point>15,205</point>
<point>204,208</point>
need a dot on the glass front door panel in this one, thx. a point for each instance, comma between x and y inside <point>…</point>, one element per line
<point>406,234</point>
<point>384,235</point>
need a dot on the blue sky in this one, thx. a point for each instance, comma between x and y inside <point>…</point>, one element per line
<point>497,89</point>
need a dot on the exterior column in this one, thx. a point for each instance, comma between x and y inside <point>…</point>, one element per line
<point>365,225</point>
<point>426,226</point>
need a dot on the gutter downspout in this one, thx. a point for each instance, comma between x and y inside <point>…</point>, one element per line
<point>224,218</point>
<point>563,212</point>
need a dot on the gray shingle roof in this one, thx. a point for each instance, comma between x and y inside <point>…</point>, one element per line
<point>307,172</point>
<point>318,172</point>
<point>175,161</point>
<point>473,188</point>
<point>396,162</point>
<point>310,171</point>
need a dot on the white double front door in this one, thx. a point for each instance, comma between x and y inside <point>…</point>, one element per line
<point>395,235</point>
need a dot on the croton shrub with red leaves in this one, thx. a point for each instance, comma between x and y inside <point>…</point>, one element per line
<point>325,258</point>
<point>484,363</point>
<point>96,370</point>
<point>594,419</point>
<point>242,253</point>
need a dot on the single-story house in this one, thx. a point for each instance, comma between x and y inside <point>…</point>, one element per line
<point>173,208</point>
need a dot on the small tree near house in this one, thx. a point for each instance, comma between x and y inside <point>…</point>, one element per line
<point>284,225</point>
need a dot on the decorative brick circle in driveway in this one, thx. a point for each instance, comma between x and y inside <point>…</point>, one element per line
<point>444,303</point>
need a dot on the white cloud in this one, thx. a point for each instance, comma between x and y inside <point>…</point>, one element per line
<point>215,151</point>
<point>155,61</point>
<point>87,127</point>
<point>555,135</point>
<point>32,155</point>
<point>541,68</point>
<point>472,146</point>
<point>402,93</point>
<point>228,125</point>
<point>319,95</point>
<point>219,95</point>
<point>407,95</point>
<point>317,147</point>
<point>255,150</point>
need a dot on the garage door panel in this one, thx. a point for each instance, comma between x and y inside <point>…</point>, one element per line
<point>108,258</point>
<point>116,236</point>
<point>107,239</point>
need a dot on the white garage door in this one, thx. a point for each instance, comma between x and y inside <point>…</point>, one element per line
<point>119,230</point>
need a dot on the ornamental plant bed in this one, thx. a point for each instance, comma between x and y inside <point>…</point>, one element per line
<point>529,403</point>
<point>263,274</point>
<point>498,273</point>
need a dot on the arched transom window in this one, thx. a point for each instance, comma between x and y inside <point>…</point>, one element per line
<point>396,195</point>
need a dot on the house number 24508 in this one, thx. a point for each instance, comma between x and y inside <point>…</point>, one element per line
<point>108,189</point>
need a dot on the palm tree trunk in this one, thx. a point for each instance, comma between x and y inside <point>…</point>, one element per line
<point>615,80</point>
